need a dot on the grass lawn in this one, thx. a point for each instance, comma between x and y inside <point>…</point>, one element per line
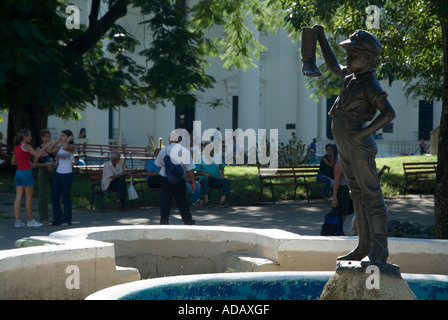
<point>245,187</point>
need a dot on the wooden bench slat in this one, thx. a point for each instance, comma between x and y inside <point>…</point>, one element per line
<point>138,180</point>
<point>298,174</point>
<point>102,152</point>
<point>419,172</point>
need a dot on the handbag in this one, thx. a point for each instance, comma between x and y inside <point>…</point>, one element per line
<point>332,224</point>
<point>132,193</point>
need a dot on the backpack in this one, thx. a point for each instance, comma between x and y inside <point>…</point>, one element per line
<point>174,172</point>
<point>332,224</point>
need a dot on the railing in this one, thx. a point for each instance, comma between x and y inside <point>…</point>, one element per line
<point>385,148</point>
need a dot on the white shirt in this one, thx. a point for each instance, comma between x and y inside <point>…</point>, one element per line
<point>65,161</point>
<point>178,155</point>
<point>108,171</point>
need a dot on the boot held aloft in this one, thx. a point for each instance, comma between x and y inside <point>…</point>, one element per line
<point>309,40</point>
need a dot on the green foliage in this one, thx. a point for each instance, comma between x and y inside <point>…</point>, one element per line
<point>37,69</point>
<point>42,63</point>
<point>291,154</point>
<point>409,31</point>
<point>238,46</point>
<point>27,51</point>
<point>176,56</point>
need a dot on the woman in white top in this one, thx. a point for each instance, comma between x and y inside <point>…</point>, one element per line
<point>63,179</point>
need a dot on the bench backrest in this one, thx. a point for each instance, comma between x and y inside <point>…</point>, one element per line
<point>85,148</point>
<point>103,152</point>
<point>303,171</point>
<point>419,168</point>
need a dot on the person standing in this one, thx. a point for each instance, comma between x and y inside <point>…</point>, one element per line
<point>176,190</point>
<point>341,194</point>
<point>422,146</point>
<point>23,178</point>
<point>45,174</point>
<point>313,151</point>
<point>293,137</point>
<point>63,180</point>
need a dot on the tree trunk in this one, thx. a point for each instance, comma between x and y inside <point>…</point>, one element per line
<point>441,188</point>
<point>30,117</point>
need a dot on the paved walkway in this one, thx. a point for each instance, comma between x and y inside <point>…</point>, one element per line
<point>298,217</point>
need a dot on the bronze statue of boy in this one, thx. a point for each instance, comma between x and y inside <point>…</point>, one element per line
<point>358,102</point>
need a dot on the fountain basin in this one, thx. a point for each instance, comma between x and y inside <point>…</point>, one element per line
<point>253,286</point>
<point>111,255</point>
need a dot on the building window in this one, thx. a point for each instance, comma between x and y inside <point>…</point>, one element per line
<point>111,123</point>
<point>185,118</point>
<point>425,119</point>
<point>234,112</point>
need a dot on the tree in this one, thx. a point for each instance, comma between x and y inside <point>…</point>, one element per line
<point>47,69</point>
<point>414,35</point>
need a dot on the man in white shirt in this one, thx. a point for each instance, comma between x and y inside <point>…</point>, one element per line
<point>114,179</point>
<point>176,190</point>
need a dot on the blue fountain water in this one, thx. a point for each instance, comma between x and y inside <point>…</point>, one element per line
<point>275,288</point>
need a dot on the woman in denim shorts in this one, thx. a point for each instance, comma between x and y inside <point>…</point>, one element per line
<point>24,179</point>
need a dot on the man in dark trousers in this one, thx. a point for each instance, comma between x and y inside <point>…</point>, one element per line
<point>176,190</point>
<point>357,104</point>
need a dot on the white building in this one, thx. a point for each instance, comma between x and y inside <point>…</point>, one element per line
<point>272,96</point>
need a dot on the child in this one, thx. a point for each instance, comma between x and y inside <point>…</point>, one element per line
<point>359,100</point>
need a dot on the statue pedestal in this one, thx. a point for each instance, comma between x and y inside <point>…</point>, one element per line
<point>352,281</point>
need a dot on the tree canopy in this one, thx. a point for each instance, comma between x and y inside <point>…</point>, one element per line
<point>414,35</point>
<point>410,32</point>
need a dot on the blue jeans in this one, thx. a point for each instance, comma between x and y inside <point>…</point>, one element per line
<point>62,185</point>
<point>223,183</point>
<point>328,186</point>
<point>193,196</point>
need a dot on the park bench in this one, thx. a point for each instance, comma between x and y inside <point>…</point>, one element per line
<point>301,175</point>
<point>95,154</point>
<point>138,180</point>
<point>419,172</point>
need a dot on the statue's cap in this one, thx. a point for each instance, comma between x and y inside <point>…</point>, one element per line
<point>363,40</point>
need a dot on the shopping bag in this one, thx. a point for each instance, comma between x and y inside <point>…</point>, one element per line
<point>132,193</point>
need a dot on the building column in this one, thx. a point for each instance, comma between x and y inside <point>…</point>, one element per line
<point>163,123</point>
<point>249,96</point>
<point>98,122</point>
